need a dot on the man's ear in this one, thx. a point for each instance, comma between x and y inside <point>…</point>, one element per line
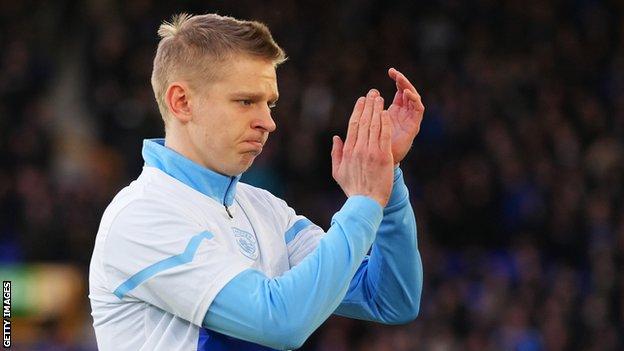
<point>177,98</point>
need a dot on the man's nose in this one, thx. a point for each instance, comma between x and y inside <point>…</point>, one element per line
<point>265,121</point>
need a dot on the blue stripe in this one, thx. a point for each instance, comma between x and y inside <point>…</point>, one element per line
<point>296,228</point>
<point>209,340</point>
<point>173,261</point>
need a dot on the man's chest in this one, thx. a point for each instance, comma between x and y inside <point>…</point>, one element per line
<point>252,234</point>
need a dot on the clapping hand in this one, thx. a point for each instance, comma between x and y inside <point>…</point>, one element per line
<point>362,164</point>
<point>406,113</point>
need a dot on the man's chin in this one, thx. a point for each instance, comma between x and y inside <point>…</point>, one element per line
<point>247,160</point>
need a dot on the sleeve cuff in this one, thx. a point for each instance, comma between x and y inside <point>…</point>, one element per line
<point>213,290</point>
<point>399,191</point>
<point>363,209</point>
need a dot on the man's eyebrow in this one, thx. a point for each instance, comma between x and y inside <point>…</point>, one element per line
<point>254,95</point>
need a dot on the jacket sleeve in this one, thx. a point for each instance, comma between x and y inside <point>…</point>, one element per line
<point>282,312</point>
<point>155,254</point>
<point>388,284</point>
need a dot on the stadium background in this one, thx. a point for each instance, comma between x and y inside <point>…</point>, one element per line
<point>516,177</point>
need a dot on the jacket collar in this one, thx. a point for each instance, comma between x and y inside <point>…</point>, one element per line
<point>219,187</point>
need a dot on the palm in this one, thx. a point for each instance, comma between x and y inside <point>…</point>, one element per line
<point>406,113</point>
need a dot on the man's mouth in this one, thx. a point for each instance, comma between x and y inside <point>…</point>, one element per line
<point>256,143</point>
<point>253,146</point>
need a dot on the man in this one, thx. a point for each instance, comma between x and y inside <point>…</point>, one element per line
<point>188,258</point>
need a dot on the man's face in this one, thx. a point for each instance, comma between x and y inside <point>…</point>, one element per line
<point>232,116</point>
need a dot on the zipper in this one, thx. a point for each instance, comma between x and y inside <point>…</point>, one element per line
<point>228,211</point>
<point>226,192</point>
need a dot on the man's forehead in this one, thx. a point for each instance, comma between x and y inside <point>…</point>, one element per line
<point>244,75</point>
<point>241,66</point>
<point>250,75</point>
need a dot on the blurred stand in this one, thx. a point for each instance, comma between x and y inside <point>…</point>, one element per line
<point>48,307</point>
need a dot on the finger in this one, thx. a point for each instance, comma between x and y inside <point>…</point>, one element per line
<point>415,98</point>
<point>392,73</point>
<point>398,98</point>
<point>403,83</point>
<point>375,128</point>
<point>354,120</point>
<point>385,138</point>
<point>404,99</point>
<point>365,119</point>
<point>336,154</point>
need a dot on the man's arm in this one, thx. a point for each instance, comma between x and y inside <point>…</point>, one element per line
<point>282,312</point>
<point>387,286</point>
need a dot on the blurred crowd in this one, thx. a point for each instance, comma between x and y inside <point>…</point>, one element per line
<point>517,175</point>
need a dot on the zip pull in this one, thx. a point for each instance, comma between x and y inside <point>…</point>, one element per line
<point>228,211</point>
<point>225,197</point>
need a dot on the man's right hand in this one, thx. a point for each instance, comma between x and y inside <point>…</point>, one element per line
<point>363,164</point>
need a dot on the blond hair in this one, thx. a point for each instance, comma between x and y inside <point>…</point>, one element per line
<point>191,45</point>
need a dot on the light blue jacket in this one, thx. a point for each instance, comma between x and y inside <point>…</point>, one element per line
<point>254,312</point>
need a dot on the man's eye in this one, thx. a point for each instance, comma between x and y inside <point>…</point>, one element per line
<point>245,102</point>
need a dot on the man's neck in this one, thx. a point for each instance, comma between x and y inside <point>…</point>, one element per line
<point>179,141</point>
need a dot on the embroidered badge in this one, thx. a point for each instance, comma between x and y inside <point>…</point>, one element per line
<point>246,243</point>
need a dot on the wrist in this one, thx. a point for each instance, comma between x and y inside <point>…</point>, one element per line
<point>382,202</point>
<point>399,191</point>
<point>365,203</point>
<point>379,200</point>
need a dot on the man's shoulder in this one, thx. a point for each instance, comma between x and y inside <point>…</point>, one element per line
<point>148,187</point>
<point>154,193</point>
<point>256,194</point>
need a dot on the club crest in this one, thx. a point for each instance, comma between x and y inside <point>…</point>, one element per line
<point>246,243</point>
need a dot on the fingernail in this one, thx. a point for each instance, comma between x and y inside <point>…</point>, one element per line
<point>379,99</point>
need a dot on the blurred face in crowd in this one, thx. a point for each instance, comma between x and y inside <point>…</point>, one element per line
<point>227,121</point>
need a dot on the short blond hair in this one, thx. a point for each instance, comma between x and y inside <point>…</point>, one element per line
<point>191,45</point>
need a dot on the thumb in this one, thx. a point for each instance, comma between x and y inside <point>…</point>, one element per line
<point>336,153</point>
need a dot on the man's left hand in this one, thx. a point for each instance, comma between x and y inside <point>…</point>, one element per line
<point>406,113</point>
